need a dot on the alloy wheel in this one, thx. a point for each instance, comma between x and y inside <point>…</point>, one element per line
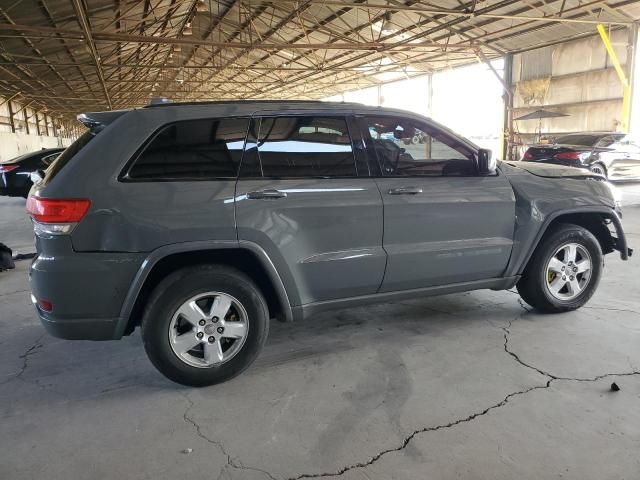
<point>208,329</point>
<point>568,271</point>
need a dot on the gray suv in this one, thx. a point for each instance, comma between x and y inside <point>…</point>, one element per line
<point>199,223</point>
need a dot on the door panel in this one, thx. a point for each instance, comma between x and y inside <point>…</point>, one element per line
<point>458,229</point>
<point>323,234</point>
<point>326,232</point>
<point>443,223</point>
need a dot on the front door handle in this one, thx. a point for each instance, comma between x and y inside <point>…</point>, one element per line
<point>405,191</point>
<point>269,194</point>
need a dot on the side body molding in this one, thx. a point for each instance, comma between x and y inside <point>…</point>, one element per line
<point>163,252</point>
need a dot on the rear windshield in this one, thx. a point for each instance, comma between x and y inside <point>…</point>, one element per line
<point>582,140</point>
<point>59,163</point>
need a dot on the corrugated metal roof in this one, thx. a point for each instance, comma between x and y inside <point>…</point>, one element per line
<point>71,55</point>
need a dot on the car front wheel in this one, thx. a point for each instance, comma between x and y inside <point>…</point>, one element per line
<point>564,271</point>
<point>204,325</point>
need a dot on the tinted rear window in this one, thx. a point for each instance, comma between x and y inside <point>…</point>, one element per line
<point>193,149</point>
<point>59,163</point>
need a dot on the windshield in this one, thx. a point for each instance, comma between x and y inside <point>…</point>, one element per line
<point>59,163</point>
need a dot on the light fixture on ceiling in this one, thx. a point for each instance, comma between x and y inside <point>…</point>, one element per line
<point>187,31</point>
<point>201,6</point>
<point>388,28</point>
<point>177,48</point>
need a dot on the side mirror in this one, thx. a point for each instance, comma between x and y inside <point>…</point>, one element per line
<point>486,164</point>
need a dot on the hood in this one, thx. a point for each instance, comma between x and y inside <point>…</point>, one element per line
<point>548,170</point>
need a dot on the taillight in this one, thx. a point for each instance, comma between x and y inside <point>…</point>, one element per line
<point>527,155</point>
<point>45,305</point>
<point>567,156</point>
<point>42,304</point>
<point>7,168</point>
<point>56,216</point>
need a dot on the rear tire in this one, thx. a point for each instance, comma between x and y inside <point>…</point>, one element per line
<point>564,271</point>
<point>204,325</point>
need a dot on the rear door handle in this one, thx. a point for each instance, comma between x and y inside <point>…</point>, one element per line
<point>269,194</point>
<point>405,191</point>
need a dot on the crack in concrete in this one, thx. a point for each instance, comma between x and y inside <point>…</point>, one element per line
<point>552,377</point>
<point>231,462</point>
<point>25,359</point>
<point>6,294</point>
<point>610,309</point>
<point>413,434</point>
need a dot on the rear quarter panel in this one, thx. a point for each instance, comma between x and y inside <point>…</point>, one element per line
<point>142,216</point>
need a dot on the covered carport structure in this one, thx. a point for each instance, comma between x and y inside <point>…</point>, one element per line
<point>471,385</point>
<point>62,57</point>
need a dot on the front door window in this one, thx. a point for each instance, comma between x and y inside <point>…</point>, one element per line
<point>406,148</point>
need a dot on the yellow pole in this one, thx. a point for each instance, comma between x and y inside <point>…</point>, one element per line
<point>626,90</point>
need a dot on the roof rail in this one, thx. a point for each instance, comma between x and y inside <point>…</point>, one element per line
<point>168,103</point>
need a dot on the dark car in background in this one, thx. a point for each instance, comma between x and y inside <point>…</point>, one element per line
<point>615,156</point>
<point>15,174</point>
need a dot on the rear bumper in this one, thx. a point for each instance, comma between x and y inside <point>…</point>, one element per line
<point>86,291</point>
<point>77,328</point>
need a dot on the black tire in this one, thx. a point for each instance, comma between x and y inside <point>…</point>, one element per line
<point>532,287</point>
<point>600,169</point>
<point>175,290</point>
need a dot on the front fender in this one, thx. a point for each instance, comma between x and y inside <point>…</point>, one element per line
<point>525,249</point>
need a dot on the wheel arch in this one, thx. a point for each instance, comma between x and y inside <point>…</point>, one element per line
<point>245,256</point>
<point>594,219</point>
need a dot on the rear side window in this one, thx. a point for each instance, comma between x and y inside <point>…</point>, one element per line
<point>193,150</point>
<point>59,163</point>
<point>298,147</point>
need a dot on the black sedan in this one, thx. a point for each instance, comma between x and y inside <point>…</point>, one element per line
<point>616,156</point>
<point>15,174</point>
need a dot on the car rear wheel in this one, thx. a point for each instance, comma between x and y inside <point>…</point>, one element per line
<point>564,271</point>
<point>599,169</point>
<point>204,325</point>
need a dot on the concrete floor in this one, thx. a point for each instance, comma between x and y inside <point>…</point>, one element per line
<point>461,386</point>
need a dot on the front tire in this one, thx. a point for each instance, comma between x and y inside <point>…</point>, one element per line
<point>564,271</point>
<point>204,325</point>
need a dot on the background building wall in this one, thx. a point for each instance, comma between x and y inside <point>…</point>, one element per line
<point>575,78</point>
<point>24,129</point>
